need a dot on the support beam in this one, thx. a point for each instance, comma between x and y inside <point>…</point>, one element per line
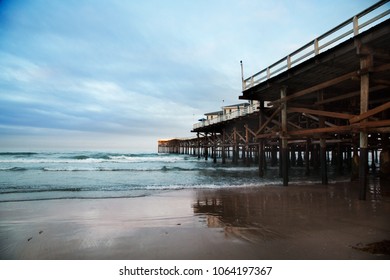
<point>198,142</point>
<point>264,125</point>
<point>283,138</point>
<point>318,87</point>
<point>323,163</point>
<point>321,113</point>
<point>235,147</point>
<point>380,68</point>
<point>223,146</point>
<point>268,135</point>
<point>261,142</point>
<point>250,130</point>
<point>261,158</point>
<point>214,147</point>
<point>365,62</point>
<point>344,128</point>
<point>317,119</point>
<point>370,113</point>
<point>206,147</point>
<point>239,135</point>
<point>246,152</point>
<point>348,95</point>
<point>307,156</point>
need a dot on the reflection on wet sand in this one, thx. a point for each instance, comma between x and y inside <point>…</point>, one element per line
<point>264,214</point>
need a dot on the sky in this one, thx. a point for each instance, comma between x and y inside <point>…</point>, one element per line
<point>119,75</point>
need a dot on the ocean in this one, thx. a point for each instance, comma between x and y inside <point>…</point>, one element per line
<point>82,175</point>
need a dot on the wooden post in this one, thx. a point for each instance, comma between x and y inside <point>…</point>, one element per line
<point>307,157</point>
<point>264,155</point>
<point>215,147</point>
<point>235,147</point>
<point>261,158</point>
<point>300,158</point>
<point>355,159</point>
<point>274,158</point>
<point>373,166</point>
<point>261,142</point>
<point>348,155</point>
<point>365,63</point>
<point>293,155</point>
<point>206,147</point>
<point>355,26</point>
<point>242,76</point>
<point>198,143</point>
<point>194,145</point>
<point>284,143</point>
<point>246,151</point>
<point>315,157</point>
<point>339,158</point>
<point>384,160</point>
<point>223,146</point>
<point>324,172</point>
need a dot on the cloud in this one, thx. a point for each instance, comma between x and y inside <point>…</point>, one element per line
<point>125,70</point>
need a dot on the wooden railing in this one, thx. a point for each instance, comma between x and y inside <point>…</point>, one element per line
<point>353,26</point>
<point>235,114</point>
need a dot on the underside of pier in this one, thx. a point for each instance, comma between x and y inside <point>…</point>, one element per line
<point>333,107</point>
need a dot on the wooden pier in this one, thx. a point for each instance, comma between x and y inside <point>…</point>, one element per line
<point>329,100</point>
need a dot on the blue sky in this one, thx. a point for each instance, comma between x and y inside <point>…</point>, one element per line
<point>107,75</point>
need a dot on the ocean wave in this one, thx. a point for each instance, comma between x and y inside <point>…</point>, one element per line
<point>107,169</point>
<point>123,188</point>
<point>85,157</point>
<point>17,154</point>
<point>203,186</point>
<point>68,169</point>
<point>27,158</point>
<point>15,191</point>
<point>164,168</point>
<point>19,195</point>
<point>70,197</point>
<point>176,168</point>
<point>13,169</point>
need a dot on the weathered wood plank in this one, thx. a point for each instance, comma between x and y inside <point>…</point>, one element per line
<point>348,95</point>
<point>317,87</point>
<point>338,98</point>
<point>268,135</point>
<point>321,113</point>
<point>381,68</point>
<point>268,120</point>
<point>338,129</point>
<point>317,120</point>
<point>250,130</point>
<point>370,113</point>
<point>381,123</point>
<point>240,136</point>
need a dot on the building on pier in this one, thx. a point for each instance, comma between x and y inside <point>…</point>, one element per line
<point>213,115</point>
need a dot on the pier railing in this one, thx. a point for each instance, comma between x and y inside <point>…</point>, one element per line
<point>225,117</point>
<point>353,26</point>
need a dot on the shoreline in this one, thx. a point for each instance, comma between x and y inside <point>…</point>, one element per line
<point>272,222</point>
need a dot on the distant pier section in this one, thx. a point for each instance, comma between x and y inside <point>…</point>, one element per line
<point>325,105</point>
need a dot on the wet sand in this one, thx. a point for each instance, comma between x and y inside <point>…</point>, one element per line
<point>295,222</point>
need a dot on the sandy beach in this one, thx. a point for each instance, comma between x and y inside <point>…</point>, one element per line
<point>295,222</point>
